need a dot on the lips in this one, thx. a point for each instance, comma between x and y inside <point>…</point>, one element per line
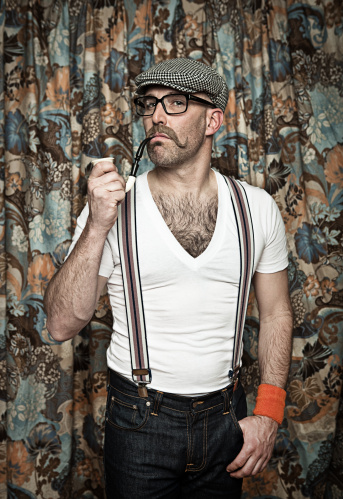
<point>159,136</point>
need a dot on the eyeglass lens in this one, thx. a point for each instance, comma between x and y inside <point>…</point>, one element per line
<point>173,104</point>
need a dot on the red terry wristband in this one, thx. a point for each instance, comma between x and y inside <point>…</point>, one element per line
<point>270,401</point>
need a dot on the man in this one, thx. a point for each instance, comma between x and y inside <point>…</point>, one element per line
<point>182,440</point>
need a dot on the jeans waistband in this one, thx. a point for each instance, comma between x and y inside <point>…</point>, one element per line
<point>176,402</point>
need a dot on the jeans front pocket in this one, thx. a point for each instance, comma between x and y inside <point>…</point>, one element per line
<point>235,421</point>
<point>125,411</point>
<point>238,408</point>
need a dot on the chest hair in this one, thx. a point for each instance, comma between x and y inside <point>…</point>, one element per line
<point>191,222</point>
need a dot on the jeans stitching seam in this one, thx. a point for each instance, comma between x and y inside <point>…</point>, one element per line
<point>202,410</point>
<point>204,460</point>
<point>234,419</point>
<point>125,393</point>
<point>146,418</point>
<point>191,445</point>
<point>122,403</point>
<point>189,442</point>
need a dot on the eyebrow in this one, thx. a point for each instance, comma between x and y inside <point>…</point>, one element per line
<point>170,92</point>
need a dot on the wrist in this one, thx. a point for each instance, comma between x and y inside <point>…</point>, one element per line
<point>95,231</point>
<point>270,402</point>
<point>268,419</point>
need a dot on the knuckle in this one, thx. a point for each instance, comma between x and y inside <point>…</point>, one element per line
<point>121,195</point>
<point>240,463</point>
<point>97,192</point>
<point>90,183</point>
<point>251,448</point>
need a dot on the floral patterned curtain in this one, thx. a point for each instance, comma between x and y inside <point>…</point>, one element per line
<point>66,86</point>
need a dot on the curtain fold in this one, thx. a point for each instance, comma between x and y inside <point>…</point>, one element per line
<point>3,378</point>
<point>67,72</point>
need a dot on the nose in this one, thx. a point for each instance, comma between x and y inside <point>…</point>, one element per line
<point>159,115</point>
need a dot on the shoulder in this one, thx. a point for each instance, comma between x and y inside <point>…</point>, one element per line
<point>256,196</point>
<point>253,191</point>
<point>265,213</point>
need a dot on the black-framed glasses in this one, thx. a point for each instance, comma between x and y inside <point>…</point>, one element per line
<point>172,103</point>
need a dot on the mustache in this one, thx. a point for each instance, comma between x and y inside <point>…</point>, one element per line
<point>166,131</point>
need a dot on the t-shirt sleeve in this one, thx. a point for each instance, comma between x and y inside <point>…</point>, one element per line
<point>106,264</point>
<point>275,255</point>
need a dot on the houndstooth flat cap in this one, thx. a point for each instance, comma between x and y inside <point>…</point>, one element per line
<point>186,75</point>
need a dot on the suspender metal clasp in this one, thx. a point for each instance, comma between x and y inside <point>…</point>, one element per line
<point>234,373</point>
<point>234,377</point>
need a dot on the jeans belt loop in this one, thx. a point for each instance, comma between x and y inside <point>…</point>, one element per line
<point>157,403</point>
<point>226,401</point>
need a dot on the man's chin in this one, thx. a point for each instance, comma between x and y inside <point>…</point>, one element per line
<point>157,154</point>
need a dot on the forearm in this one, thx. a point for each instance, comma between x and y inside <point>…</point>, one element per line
<point>259,431</point>
<point>72,294</point>
<point>275,345</point>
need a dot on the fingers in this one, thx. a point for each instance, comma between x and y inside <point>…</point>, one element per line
<point>102,166</point>
<point>259,437</point>
<point>242,464</point>
<point>105,174</point>
<point>112,193</point>
<point>247,467</point>
<point>107,181</point>
<point>106,191</point>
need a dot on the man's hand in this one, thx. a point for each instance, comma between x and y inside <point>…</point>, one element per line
<point>106,190</point>
<point>259,434</point>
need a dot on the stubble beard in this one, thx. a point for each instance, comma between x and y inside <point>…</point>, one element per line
<point>173,153</point>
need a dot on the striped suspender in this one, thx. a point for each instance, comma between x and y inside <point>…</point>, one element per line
<point>247,250</point>
<point>127,241</point>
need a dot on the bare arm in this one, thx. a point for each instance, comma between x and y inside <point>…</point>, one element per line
<point>72,294</point>
<point>276,325</point>
<point>274,354</point>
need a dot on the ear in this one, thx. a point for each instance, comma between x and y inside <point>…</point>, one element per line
<point>214,120</point>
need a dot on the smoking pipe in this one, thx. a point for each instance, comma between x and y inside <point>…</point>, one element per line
<point>132,177</point>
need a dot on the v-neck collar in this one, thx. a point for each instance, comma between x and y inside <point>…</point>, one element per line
<point>164,231</point>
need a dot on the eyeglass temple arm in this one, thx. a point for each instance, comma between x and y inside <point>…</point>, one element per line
<point>199,99</point>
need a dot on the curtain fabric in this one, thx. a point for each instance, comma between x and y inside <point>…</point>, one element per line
<point>66,88</point>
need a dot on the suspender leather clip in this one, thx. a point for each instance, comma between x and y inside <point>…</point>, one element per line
<point>142,390</point>
<point>141,372</point>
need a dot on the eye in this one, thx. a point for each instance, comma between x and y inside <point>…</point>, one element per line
<point>140,104</point>
<point>176,102</point>
<point>149,103</point>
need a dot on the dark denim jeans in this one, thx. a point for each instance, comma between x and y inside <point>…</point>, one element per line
<point>171,447</point>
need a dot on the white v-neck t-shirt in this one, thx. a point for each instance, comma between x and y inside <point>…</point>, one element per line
<point>189,303</point>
